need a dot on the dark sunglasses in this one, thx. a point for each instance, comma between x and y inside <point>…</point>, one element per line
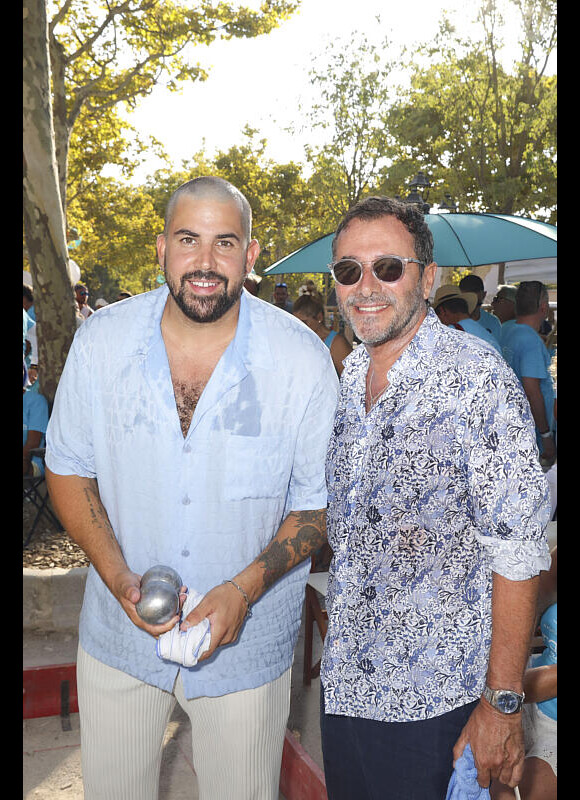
<point>388,269</point>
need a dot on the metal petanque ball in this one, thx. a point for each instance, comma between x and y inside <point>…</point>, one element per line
<point>162,573</point>
<point>159,600</point>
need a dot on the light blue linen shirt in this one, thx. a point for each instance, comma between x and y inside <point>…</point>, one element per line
<point>206,504</point>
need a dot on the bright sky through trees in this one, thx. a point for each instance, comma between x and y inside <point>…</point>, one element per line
<point>262,81</point>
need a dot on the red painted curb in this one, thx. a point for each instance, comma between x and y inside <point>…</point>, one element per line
<point>50,691</point>
<point>300,777</point>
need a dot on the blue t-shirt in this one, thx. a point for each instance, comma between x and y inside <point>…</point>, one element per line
<point>27,323</point>
<point>549,628</point>
<point>524,350</point>
<point>490,322</point>
<point>476,329</point>
<point>35,418</point>
<point>505,326</point>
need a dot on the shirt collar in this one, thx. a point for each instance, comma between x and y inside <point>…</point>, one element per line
<point>251,340</point>
<point>420,350</point>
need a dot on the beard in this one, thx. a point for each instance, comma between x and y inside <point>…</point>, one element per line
<point>204,309</point>
<point>406,312</point>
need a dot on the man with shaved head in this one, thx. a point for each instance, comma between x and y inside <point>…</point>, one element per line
<point>198,442</point>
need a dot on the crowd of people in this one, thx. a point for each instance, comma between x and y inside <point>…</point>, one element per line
<point>34,404</point>
<point>197,426</point>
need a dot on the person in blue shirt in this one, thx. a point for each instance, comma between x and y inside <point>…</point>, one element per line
<point>503,304</point>
<point>453,308</point>
<point>189,429</point>
<point>526,353</point>
<point>35,421</point>
<point>473,283</point>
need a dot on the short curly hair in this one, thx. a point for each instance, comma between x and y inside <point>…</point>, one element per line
<point>409,214</point>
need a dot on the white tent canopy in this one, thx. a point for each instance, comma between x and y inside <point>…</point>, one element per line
<point>538,269</point>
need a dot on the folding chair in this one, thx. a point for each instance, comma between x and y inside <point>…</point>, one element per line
<point>34,490</point>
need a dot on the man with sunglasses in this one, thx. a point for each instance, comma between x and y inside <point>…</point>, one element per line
<point>436,513</point>
<point>503,304</point>
<point>82,298</point>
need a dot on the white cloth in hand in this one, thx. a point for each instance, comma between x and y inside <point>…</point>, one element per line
<point>185,647</point>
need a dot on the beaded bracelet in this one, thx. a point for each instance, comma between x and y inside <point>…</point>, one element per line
<point>244,595</point>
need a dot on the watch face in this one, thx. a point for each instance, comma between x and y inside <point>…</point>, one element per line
<point>507,702</point>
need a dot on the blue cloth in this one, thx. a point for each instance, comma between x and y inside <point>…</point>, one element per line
<point>506,326</point>
<point>35,418</point>
<point>524,350</point>
<point>329,339</point>
<point>463,784</point>
<point>490,322</point>
<point>27,323</point>
<point>436,487</point>
<point>206,504</point>
<point>549,628</point>
<point>476,329</point>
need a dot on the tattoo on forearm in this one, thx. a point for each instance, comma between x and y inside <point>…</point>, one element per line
<point>280,556</point>
<point>97,511</point>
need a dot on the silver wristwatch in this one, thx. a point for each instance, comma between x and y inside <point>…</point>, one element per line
<point>504,700</point>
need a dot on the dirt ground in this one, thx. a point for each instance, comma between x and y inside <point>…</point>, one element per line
<point>48,548</point>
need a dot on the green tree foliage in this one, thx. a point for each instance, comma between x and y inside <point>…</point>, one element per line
<point>82,58</point>
<point>486,133</point>
<point>106,53</point>
<point>283,205</point>
<point>120,224</point>
<point>352,81</point>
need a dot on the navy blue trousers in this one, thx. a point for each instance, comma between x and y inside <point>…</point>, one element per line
<point>369,760</point>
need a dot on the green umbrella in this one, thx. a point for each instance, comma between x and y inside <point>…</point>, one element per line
<point>460,240</point>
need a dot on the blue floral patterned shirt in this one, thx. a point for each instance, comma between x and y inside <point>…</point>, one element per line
<point>432,490</point>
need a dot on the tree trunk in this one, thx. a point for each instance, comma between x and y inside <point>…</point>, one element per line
<point>44,223</point>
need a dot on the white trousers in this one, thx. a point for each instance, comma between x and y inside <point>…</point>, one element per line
<point>237,739</point>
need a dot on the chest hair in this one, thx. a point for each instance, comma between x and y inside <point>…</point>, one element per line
<point>187,395</point>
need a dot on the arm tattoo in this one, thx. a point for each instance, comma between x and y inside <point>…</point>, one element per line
<point>97,511</point>
<point>281,555</point>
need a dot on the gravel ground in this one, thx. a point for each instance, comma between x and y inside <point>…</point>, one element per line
<point>48,548</point>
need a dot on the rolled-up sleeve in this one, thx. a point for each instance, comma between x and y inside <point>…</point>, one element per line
<point>508,490</point>
<point>307,490</point>
<point>69,445</point>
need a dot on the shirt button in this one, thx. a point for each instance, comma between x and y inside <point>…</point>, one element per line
<point>186,501</point>
<point>187,449</point>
